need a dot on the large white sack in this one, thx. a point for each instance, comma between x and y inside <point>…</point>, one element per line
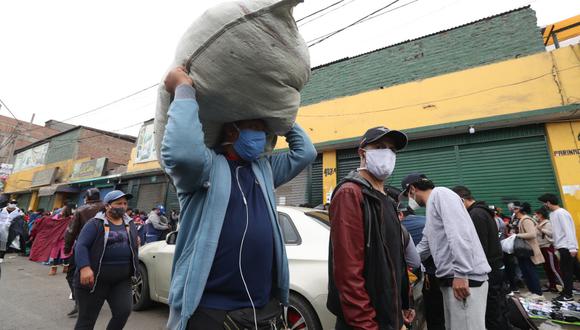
<point>248,61</point>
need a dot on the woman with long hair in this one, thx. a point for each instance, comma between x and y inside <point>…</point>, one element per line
<point>527,231</point>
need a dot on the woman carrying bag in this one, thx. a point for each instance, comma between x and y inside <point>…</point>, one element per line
<point>527,231</point>
<point>106,254</point>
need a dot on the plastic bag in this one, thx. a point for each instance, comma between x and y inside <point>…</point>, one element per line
<point>247,61</point>
<point>507,245</point>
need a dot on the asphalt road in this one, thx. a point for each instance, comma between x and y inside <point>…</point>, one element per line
<point>30,299</point>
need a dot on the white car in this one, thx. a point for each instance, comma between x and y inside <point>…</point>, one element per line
<point>306,234</point>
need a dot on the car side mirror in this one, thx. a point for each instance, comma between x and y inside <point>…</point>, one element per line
<point>171,238</point>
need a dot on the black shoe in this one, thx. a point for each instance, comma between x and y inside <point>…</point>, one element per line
<point>74,312</point>
<point>563,298</point>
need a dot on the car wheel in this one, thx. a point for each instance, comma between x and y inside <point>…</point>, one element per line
<point>141,299</point>
<point>301,316</point>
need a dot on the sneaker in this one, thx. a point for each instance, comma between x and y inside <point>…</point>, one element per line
<point>1,260</point>
<point>563,298</point>
<point>65,269</point>
<point>52,271</point>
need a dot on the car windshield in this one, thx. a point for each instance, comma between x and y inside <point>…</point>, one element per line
<point>319,216</point>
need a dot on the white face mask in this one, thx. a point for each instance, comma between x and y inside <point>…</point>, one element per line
<point>11,206</point>
<point>380,162</point>
<point>413,203</point>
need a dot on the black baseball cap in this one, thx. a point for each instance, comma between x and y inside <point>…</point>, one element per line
<point>376,133</point>
<point>410,179</point>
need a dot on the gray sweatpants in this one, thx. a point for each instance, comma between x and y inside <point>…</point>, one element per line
<point>468,314</point>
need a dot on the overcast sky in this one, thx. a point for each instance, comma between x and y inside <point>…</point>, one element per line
<point>65,57</point>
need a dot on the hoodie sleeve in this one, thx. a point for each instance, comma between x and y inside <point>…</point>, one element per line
<point>287,165</point>
<point>456,220</point>
<point>183,151</point>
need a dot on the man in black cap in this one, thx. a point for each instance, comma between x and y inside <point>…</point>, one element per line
<point>368,283</point>
<point>82,215</point>
<point>451,239</point>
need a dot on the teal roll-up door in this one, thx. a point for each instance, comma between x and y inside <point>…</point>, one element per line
<point>46,202</point>
<point>498,166</point>
<point>315,182</point>
<point>23,201</point>
<point>504,171</point>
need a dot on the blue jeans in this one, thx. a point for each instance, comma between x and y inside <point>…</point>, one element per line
<point>530,275</point>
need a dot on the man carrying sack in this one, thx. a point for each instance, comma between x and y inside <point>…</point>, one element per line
<point>230,260</point>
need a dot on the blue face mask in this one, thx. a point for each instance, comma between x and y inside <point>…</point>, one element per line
<point>250,144</point>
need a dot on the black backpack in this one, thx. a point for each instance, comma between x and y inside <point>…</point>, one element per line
<point>518,316</point>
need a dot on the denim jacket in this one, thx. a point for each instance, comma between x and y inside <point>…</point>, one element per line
<point>203,182</point>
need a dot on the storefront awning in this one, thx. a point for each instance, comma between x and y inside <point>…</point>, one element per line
<point>97,179</point>
<point>50,190</point>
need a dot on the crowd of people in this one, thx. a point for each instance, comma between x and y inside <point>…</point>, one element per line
<point>230,267</point>
<point>50,237</point>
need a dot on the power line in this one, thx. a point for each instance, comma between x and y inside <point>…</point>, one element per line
<point>328,12</point>
<point>112,102</point>
<point>350,25</point>
<point>442,99</point>
<point>388,11</point>
<point>318,11</point>
<point>5,106</point>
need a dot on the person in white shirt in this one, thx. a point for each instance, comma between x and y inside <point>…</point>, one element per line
<point>564,235</point>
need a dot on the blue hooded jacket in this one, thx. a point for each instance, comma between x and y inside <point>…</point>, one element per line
<point>203,182</point>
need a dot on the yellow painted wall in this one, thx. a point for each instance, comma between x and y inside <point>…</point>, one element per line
<point>329,174</point>
<point>565,137</point>
<point>22,180</point>
<point>509,87</point>
<point>136,167</point>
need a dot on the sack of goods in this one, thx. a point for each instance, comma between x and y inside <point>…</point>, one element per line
<point>247,61</point>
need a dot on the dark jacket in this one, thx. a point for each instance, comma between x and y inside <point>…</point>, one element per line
<point>81,216</point>
<point>91,244</point>
<point>368,284</point>
<point>485,225</point>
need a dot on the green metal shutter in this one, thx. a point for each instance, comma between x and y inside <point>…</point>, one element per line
<point>315,182</point>
<point>504,171</point>
<point>346,160</point>
<point>23,201</point>
<point>498,166</point>
<point>150,195</point>
<point>46,202</point>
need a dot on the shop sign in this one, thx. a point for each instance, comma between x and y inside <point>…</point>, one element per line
<point>569,152</point>
<point>30,158</point>
<point>145,145</point>
<point>89,169</point>
<point>44,177</point>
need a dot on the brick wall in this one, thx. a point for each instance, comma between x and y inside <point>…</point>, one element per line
<point>95,145</point>
<point>25,134</point>
<point>489,40</point>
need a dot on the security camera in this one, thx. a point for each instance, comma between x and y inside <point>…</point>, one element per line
<point>471,130</point>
